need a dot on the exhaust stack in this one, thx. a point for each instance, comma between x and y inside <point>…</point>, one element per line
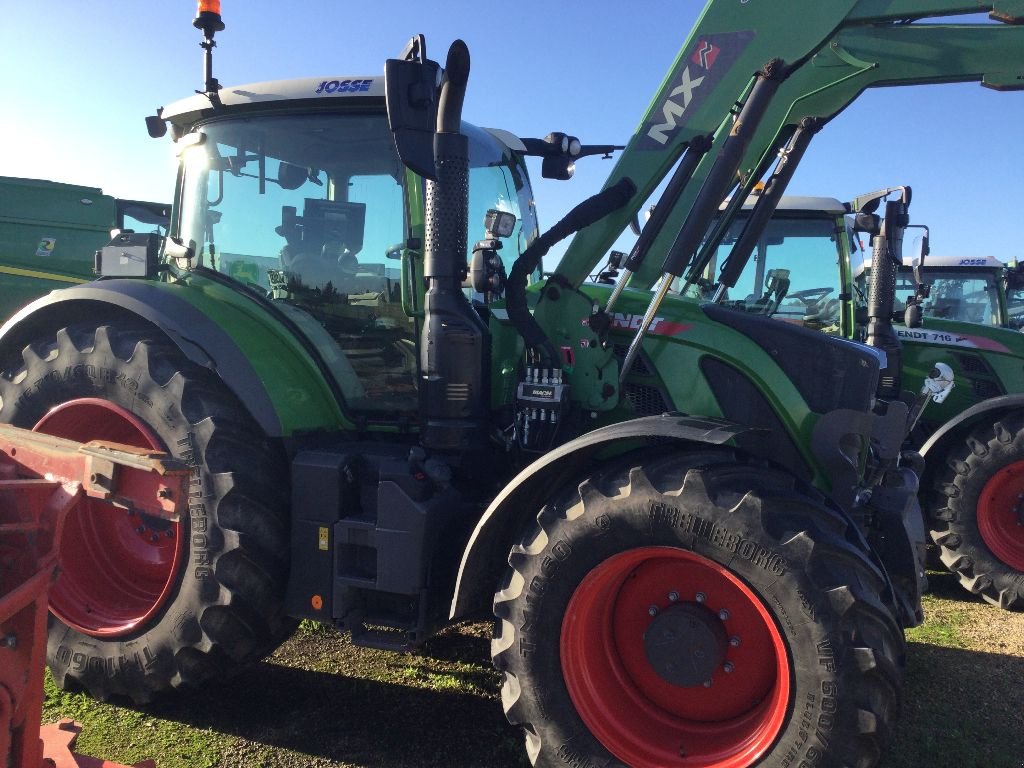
<point>454,344</point>
<point>885,257</point>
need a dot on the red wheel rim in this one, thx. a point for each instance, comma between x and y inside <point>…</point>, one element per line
<point>999,515</point>
<point>116,569</point>
<point>643,719</point>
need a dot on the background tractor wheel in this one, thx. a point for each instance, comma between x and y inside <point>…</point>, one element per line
<point>696,611</point>
<point>977,517</point>
<point>141,604</point>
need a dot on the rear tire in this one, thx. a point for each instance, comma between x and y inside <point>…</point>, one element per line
<point>779,648</point>
<point>142,605</point>
<point>978,515</point>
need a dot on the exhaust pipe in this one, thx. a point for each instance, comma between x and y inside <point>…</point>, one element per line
<point>454,345</point>
<point>885,256</point>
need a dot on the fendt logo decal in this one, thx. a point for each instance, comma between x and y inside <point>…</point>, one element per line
<point>950,339</point>
<point>708,62</point>
<point>705,55</point>
<point>659,325</point>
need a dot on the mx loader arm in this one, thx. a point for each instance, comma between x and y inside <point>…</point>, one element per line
<point>836,51</point>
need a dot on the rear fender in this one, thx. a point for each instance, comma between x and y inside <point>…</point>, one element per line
<point>261,386</point>
<point>485,556</point>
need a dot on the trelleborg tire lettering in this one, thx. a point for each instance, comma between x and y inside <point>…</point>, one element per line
<point>143,605</point>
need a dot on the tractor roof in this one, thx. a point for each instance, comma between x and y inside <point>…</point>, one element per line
<point>186,111</point>
<point>977,262</point>
<point>800,204</point>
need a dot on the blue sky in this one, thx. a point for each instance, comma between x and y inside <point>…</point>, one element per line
<point>78,78</point>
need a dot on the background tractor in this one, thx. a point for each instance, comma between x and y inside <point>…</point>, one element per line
<point>969,490</point>
<point>699,550</point>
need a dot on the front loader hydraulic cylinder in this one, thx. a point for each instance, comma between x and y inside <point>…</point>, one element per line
<point>721,178</point>
<point>684,171</point>
<point>789,159</point>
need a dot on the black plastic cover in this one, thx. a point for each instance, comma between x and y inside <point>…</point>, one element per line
<point>829,373</point>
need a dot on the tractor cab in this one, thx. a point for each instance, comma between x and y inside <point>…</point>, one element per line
<point>794,272</point>
<point>963,289</point>
<point>295,191</point>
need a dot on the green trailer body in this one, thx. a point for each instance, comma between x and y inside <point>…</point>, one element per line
<point>50,232</point>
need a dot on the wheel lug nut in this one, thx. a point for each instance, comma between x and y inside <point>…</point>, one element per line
<point>141,529</point>
<point>169,533</point>
<point>652,610</point>
<point>723,615</point>
<point>728,667</point>
<point>701,597</point>
<point>673,596</point>
<point>707,683</point>
<point>734,641</point>
<point>155,538</point>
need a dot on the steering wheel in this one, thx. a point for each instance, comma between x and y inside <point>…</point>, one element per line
<point>810,296</point>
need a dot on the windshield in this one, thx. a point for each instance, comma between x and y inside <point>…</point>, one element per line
<point>969,296</point>
<point>317,196</point>
<point>311,211</point>
<point>793,273</point>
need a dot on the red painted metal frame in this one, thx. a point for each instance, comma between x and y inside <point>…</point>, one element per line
<point>42,479</point>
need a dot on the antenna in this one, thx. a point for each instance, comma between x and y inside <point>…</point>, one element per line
<point>209,21</point>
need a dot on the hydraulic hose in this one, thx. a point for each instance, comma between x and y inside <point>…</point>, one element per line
<point>583,215</point>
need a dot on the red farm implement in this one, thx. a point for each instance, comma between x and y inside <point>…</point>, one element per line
<point>43,482</point>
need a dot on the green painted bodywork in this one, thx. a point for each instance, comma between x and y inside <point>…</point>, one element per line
<point>987,362</point>
<point>302,399</point>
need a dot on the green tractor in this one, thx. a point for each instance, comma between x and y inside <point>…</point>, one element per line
<point>969,487</point>
<point>698,550</point>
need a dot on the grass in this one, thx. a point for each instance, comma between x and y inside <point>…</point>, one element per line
<point>130,735</point>
<point>321,702</point>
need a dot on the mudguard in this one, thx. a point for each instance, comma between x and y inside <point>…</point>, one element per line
<point>485,555</point>
<point>210,332</point>
<point>969,416</point>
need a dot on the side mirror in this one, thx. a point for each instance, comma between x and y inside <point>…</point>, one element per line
<point>411,91</point>
<point>869,223</point>
<point>129,254</point>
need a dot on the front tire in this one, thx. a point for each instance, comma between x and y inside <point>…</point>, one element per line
<point>977,519</point>
<point>143,605</point>
<point>695,611</point>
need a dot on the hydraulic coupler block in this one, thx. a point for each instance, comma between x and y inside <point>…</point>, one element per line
<point>541,400</point>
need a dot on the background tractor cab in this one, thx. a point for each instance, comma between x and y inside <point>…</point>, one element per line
<point>964,289</point>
